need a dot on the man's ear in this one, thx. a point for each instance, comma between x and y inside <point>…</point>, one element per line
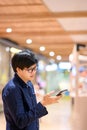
<point>18,69</point>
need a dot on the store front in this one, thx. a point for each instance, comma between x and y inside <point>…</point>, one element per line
<point>5,67</point>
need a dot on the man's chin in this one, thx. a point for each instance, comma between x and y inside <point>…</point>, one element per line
<point>32,78</point>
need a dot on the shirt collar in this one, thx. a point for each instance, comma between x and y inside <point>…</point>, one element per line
<point>22,83</point>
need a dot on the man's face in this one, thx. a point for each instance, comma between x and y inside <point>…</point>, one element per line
<point>27,74</point>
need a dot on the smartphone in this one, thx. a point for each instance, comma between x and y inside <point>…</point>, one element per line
<point>61,92</point>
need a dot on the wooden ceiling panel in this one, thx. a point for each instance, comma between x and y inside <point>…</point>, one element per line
<point>31,26</point>
<point>19,2</point>
<point>21,9</point>
<point>32,19</point>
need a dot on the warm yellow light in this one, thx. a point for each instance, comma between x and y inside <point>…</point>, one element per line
<point>14,50</point>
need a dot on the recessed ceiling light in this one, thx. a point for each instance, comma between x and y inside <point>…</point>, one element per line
<point>51,53</point>
<point>58,57</point>
<point>8,30</point>
<point>28,41</point>
<point>42,48</point>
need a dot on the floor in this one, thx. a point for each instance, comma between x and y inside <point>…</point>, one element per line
<point>2,122</point>
<point>59,117</point>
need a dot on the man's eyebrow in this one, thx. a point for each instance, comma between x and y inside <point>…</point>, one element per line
<point>32,67</point>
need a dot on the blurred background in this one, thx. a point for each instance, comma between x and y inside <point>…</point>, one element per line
<point>56,31</point>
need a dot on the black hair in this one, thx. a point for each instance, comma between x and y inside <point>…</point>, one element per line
<point>23,59</point>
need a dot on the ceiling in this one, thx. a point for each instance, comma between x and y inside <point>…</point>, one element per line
<point>55,24</point>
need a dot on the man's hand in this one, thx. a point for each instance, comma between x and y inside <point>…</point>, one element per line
<point>49,99</point>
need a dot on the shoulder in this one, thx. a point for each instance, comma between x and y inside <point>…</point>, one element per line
<point>10,89</point>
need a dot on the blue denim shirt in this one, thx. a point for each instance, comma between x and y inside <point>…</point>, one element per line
<point>22,112</point>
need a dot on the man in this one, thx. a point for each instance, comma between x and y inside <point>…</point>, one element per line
<point>22,112</point>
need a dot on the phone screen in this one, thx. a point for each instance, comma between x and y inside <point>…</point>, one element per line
<point>61,91</point>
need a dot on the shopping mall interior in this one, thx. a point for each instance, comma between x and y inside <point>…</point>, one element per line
<point>56,31</point>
